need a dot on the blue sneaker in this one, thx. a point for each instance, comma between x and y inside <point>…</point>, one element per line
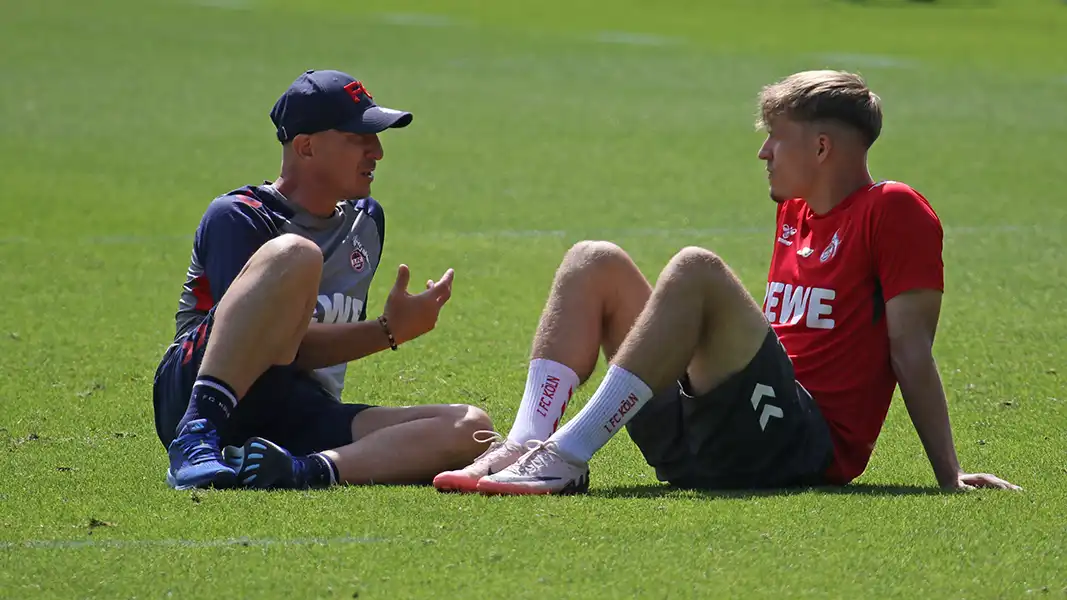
<point>196,460</point>
<point>263,464</point>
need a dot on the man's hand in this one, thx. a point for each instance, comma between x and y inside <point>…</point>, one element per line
<point>413,315</point>
<point>982,480</point>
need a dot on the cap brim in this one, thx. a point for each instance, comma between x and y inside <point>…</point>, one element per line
<point>377,119</point>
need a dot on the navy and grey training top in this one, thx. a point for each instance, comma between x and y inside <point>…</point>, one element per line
<point>236,224</point>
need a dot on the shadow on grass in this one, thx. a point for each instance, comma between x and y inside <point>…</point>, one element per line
<point>858,489</point>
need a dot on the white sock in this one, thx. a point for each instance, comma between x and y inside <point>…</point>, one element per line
<point>615,402</point>
<point>549,386</point>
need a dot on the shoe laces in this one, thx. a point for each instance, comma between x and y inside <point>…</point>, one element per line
<point>540,455</point>
<point>498,442</point>
<point>202,447</point>
<point>487,435</point>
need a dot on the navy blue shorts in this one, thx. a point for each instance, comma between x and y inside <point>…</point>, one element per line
<point>286,405</point>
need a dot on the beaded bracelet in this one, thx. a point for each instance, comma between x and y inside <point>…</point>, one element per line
<point>385,326</point>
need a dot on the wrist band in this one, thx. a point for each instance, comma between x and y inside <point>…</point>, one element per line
<point>385,326</point>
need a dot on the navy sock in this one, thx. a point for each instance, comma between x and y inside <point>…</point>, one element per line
<point>315,471</point>
<point>212,399</point>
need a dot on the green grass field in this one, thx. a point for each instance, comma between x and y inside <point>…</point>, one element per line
<point>537,125</point>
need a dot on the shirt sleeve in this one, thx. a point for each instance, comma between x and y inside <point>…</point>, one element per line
<point>907,242</point>
<point>230,233</point>
<point>375,211</point>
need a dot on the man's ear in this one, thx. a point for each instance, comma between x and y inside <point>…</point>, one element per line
<point>824,144</point>
<point>303,146</point>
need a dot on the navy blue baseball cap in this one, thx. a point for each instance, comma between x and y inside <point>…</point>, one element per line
<point>322,100</point>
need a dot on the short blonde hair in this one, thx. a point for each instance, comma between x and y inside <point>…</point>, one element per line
<point>823,95</point>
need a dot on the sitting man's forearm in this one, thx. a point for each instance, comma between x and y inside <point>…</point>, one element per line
<point>328,345</point>
<point>924,397</point>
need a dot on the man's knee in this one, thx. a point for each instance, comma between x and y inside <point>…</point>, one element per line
<point>596,255</point>
<point>693,258</point>
<point>466,422</point>
<point>472,419</point>
<point>291,250</point>
<point>695,270</point>
<point>697,266</point>
<point>292,262</point>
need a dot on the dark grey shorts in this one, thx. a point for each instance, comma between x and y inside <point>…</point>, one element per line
<point>758,429</point>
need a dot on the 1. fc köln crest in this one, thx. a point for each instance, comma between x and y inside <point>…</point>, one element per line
<point>831,248</point>
<point>358,257</point>
<point>358,261</point>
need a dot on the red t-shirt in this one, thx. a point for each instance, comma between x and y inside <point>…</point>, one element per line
<point>829,280</point>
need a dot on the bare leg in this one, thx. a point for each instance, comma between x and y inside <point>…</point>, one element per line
<point>259,322</point>
<point>264,314</point>
<point>595,299</point>
<point>410,444</point>
<point>596,296</point>
<point>700,319</point>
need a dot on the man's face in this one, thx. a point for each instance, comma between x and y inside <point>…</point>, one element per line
<point>346,161</point>
<point>791,152</point>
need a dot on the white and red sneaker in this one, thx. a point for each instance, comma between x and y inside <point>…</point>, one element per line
<point>542,470</point>
<point>500,454</point>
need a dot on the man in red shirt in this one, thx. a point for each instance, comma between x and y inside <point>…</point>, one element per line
<point>718,392</point>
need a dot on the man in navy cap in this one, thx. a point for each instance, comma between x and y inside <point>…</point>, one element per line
<point>274,306</point>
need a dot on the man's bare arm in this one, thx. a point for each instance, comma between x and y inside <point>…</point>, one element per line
<point>328,345</point>
<point>912,319</point>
